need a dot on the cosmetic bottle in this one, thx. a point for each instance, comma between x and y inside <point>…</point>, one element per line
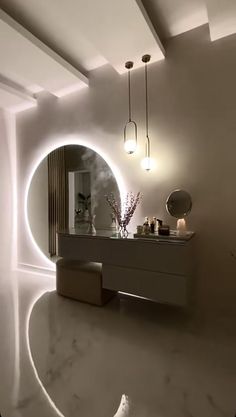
<point>155,224</point>
<point>152,225</point>
<point>158,224</point>
<point>146,227</point>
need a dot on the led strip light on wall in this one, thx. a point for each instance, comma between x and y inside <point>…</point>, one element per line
<point>56,143</point>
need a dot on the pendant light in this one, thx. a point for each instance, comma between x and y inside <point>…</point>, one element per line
<point>130,129</point>
<point>147,162</point>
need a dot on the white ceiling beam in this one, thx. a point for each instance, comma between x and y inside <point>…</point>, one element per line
<point>13,102</point>
<point>120,30</point>
<point>150,25</point>
<point>15,89</point>
<point>29,59</point>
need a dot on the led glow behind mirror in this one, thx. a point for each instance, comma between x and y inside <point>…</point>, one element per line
<point>67,185</point>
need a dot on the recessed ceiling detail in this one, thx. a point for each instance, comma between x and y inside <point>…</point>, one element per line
<point>28,62</point>
<point>120,30</point>
<point>171,18</point>
<point>53,45</point>
<point>222,18</point>
<point>12,101</point>
<point>91,33</point>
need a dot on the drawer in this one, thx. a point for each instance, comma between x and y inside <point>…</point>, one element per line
<point>159,287</point>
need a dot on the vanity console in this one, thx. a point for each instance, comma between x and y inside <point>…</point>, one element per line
<point>159,269</point>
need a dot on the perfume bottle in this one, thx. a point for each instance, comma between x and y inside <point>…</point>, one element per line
<point>159,224</point>
<point>146,227</point>
<point>152,225</point>
<point>155,224</point>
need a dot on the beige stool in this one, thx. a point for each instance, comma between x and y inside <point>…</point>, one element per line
<point>81,281</point>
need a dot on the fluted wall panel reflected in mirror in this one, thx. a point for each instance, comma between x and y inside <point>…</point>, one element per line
<point>57,196</point>
<point>66,191</point>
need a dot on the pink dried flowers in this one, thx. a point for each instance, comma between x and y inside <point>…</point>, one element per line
<point>124,212</point>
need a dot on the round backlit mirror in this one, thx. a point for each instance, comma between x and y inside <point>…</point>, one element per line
<point>179,204</point>
<point>68,191</point>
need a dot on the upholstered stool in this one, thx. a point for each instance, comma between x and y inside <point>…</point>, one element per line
<point>81,281</point>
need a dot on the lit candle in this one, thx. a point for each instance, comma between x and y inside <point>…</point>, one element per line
<point>181,227</point>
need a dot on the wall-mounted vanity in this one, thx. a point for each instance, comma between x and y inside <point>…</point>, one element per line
<point>159,269</point>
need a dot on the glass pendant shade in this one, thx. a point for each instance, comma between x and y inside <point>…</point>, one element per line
<point>147,162</point>
<point>130,129</point>
<point>130,137</point>
<point>130,146</point>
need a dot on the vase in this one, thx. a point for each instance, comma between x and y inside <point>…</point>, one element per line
<point>91,227</point>
<point>123,231</point>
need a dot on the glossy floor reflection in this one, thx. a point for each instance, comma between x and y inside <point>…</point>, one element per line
<point>88,357</point>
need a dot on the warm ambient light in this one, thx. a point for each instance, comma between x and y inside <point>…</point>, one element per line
<point>54,144</point>
<point>181,227</point>
<point>130,146</point>
<point>147,163</point>
<point>51,402</point>
<point>130,129</point>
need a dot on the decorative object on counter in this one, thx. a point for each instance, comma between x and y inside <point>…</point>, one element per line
<point>113,222</point>
<point>172,237</point>
<point>130,129</point>
<point>153,225</point>
<point>164,230</point>
<point>181,227</point>
<point>124,212</point>
<point>146,226</point>
<point>149,226</point>
<point>91,225</point>
<point>179,205</point>
<point>154,219</point>
<point>159,223</point>
<point>147,162</point>
<point>139,229</point>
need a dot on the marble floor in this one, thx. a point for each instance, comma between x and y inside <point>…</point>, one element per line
<point>164,363</point>
<point>131,358</point>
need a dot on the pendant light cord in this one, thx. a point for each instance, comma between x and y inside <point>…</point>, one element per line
<point>147,124</point>
<point>129,89</point>
<point>146,89</point>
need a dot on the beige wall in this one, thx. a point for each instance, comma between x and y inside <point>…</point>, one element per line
<point>193,134</point>
<point>8,285</point>
<point>5,192</point>
<point>38,206</point>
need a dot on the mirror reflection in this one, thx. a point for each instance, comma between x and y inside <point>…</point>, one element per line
<point>179,204</point>
<point>67,191</point>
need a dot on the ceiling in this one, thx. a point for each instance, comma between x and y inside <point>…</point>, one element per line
<point>173,17</point>
<point>58,43</point>
<point>222,18</point>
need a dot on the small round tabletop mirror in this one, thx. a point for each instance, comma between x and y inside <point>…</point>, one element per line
<point>179,204</point>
